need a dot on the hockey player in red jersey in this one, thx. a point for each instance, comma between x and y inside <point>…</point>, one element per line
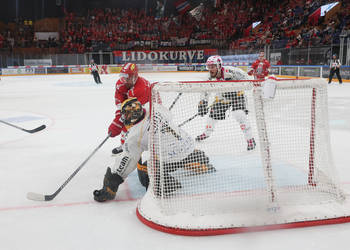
<point>260,68</point>
<point>129,85</point>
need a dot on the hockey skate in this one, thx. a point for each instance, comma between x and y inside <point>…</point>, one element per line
<point>117,150</point>
<point>202,137</point>
<point>251,144</point>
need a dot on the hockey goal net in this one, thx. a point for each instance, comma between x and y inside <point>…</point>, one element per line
<point>288,180</point>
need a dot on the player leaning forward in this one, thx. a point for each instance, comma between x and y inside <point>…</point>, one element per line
<point>129,85</point>
<point>233,101</point>
<point>177,151</point>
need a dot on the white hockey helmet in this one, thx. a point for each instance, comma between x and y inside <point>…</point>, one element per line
<point>214,60</point>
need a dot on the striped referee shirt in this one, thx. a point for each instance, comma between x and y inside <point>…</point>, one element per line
<point>335,63</point>
<point>94,67</point>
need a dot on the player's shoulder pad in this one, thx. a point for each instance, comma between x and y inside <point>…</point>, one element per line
<point>142,80</point>
<point>120,87</point>
<point>234,73</point>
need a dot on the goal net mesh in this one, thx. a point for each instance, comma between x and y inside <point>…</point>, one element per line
<point>217,182</point>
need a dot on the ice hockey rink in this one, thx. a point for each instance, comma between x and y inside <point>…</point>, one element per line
<point>77,113</point>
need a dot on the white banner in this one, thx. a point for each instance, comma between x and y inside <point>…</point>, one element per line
<point>275,57</point>
<point>47,35</point>
<point>165,68</point>
<point>36,62</point>
<point>18,71</point>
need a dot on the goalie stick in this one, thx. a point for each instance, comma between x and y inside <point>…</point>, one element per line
<point>26,130</point>
<point>41,197</point>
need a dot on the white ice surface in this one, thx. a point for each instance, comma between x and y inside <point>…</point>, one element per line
<point>77,113</point>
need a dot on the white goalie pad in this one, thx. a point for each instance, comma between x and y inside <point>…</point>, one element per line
<point>124,164</point>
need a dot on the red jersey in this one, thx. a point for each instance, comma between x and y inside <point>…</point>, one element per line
<point>140,90</point>
<point>260,68</point>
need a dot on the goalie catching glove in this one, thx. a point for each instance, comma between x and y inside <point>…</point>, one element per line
<point>203,107</point>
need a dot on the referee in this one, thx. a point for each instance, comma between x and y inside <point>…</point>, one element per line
<point>94,71</point>
<point>335,68</point>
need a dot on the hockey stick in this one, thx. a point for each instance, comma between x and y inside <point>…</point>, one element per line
<point>26,130</point>
<point>188,120</point>
<point>41,197</point>
<point>175,100</point>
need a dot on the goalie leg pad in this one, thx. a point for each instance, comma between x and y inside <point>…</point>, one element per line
<point>198,163</point>
<point>124,164</point>
<point>142,173</point>
<point>111,183</point>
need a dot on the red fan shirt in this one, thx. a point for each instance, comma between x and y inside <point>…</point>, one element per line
<point>261,69</point>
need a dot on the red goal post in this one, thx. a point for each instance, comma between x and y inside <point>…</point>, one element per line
<point>289,180</point>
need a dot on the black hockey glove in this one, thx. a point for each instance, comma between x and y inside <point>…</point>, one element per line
<point>203,107</point>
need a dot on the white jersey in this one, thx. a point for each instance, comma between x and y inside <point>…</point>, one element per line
<point>175,144</point>
<point>228,73</point>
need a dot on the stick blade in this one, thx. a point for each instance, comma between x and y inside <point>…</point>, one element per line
<point>37,129</point>
<point>35,196</point>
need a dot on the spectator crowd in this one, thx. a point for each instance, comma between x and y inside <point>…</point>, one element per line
<point>284,24</point>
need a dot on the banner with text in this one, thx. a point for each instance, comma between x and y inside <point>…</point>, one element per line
<point>40,71</point>
<point>57,70</point>
<point>289,71</point>
<point>163,56</point>
<point>274,70</point>
<point>18,71</point>
<point>310,71</point>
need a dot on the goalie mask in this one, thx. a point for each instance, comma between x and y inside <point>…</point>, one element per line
<point>131,111</point>
<point>129,74</point>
